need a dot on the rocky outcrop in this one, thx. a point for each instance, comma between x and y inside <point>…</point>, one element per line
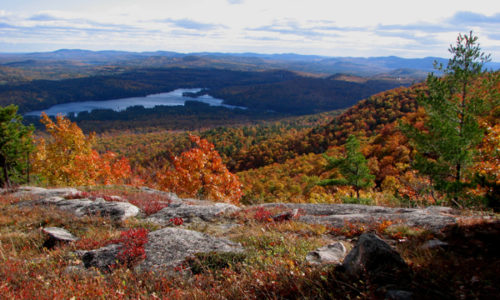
<point>166,248</point>
<point>57,236</point>
<point>330,254</point>
<point>431,218</point>
<point>198,211</point>
<point>169,247</point>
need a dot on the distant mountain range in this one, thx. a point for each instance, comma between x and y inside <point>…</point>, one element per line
<point>393,67</point>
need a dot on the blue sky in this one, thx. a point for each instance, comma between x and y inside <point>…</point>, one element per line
<point>323,27</point>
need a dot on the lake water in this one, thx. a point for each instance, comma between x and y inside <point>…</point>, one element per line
<point>173,98</point>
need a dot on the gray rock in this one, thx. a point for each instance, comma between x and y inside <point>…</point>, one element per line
<point>38,191</point>
<point>83,207</point>
<point>168,247</point>
<point>57,236</point>
<point>376,259</point>
<point>206,212</point>
<point>330,254</point>
<point>433,218</point>
<point>103,258</point>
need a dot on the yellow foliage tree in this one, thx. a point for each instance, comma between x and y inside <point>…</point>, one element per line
<point>67,158</point>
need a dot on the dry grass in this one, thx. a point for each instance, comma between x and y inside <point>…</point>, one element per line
<point>273,266</point>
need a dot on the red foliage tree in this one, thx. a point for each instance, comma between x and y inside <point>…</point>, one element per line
<point>200,172</point>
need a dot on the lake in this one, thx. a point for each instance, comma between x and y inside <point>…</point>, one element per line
<point>173,98</point>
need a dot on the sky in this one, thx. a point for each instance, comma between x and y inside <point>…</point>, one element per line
<point>318,27</point>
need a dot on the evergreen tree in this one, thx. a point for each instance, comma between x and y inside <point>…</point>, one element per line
<point>353,168</point>
<point>15,145</point>
<point>448,142</point>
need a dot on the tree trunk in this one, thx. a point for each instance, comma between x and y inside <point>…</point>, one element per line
<point>3,164</point>
<point>27,167</point>
<point>457,181</point>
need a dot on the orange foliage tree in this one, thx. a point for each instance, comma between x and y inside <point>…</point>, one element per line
<point>67,158</point>
<point>201,172</point>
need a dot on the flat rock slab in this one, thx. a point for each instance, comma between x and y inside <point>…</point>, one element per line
<point>199,211</point>
<point>169,247</point>
<point>57,236</point>
<point>431,218</point>
<point>42,192</point>
<point>89,207</point>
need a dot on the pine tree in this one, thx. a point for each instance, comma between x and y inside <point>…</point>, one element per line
<point>15,144</point>
<point>447,144</point>
<point>353,168</point>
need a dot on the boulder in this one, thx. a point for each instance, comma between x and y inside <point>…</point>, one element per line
<point>330,254</point>
<point>57,236</point>
<point>103,258</point>
<point>374,258</point>
<point>169,247</point>
<point>208,211</point>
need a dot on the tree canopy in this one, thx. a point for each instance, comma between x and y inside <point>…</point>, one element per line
<point>15,145</point>
<point>353,167</point>
<point>67,158</point>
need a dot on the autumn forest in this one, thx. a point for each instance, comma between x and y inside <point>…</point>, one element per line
<point>259,156</point>
<point>297,137</point>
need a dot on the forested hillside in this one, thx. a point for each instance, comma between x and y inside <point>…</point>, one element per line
<point>279,91</point>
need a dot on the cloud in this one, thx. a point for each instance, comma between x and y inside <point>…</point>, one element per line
<point>428,35</point>
<point>470,18</point>
<point>6,25</point>
<point>291,27</point>
<point>43,17</point>
<point>190,24</point>
<point>422,27</point>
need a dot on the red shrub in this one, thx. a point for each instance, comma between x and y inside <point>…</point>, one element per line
<point>132,245</point>
<point>263,215</point>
